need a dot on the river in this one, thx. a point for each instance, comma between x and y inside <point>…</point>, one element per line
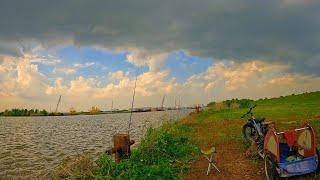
<point>31,147</point>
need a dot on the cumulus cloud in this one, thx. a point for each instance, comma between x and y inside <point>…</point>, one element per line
<point>17,74</point>
<point>118,75</point>
<point>21,83</point>
<point>58,87</point>
<point>274,30</point>
<point>143,57</point>
<point>252,79</point>
<point>260,48</point>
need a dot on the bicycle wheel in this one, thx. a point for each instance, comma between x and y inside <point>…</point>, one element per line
<point>249,133</point>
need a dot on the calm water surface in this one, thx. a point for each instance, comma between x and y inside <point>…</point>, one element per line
<point>30,147</point>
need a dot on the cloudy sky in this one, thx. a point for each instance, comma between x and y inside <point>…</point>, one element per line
<point>91,51</point>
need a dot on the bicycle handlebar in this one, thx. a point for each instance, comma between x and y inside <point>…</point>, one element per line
<point>249,111</point>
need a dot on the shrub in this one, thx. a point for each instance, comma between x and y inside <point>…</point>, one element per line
<point>160,155</point>
<point>164,153</point>
<point>243,103</point>
<point>211,104</point>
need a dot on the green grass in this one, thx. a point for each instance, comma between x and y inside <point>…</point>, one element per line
<point>223,125</point>
<point>287,112</point>
<point>299,108</point>
<point>164,153</point>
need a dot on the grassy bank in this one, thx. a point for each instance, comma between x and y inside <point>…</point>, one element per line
<point>172,151</point>
<point>222,127</point>
<point>164,153</point>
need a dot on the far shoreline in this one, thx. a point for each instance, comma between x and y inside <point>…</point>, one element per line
<point>97,113</point>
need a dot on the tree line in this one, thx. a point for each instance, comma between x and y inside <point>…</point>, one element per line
<point>241,103</point>
<point>25,112</point>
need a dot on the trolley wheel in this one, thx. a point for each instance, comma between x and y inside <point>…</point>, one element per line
<point>270,168</point>
<point>318,154</point>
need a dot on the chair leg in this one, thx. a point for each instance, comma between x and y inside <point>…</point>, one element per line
<point>209,169</point>
<point>215,167</point>
<point>209,165</point>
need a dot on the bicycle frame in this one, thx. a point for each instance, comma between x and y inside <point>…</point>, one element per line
<point>258,128</point>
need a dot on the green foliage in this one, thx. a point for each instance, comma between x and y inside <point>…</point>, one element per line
<point>162,154</point>
<point>243,103</point>
<point>56,114</point>
<point>211,104</point>
<point>184,128</point>
<point>24,112</point>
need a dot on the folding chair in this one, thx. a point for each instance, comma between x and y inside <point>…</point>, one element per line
<point>208,154</point>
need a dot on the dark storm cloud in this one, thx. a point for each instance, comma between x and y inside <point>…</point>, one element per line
<point>287,31</point>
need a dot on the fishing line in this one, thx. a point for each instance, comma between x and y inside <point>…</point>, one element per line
<point>134,94</point>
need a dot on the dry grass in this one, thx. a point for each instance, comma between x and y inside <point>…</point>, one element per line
<point>74,167</point>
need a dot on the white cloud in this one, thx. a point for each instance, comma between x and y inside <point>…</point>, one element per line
<point>72,70</point>
<point>87,64</point>
<point>215,29</point>
<point>49,60</point>
<point>140,57</point>
<point>64,70</point>
<point>118,75</point>
<point>58,87</point>
<point>21,83</point>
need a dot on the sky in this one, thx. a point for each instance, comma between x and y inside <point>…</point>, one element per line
<point>90,52</point>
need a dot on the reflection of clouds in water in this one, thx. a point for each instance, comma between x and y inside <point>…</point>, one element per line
<point>33,146</point>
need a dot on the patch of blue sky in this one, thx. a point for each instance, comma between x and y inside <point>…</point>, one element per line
<point>182,65</point>
<point>92,62</point>
<point>179,64</point>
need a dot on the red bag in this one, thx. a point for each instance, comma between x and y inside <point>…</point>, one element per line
<point>291,137</point>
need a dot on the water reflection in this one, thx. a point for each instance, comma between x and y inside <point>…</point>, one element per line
<point>32,146</point>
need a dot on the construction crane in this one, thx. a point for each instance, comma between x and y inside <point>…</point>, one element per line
<point>175,103</point>
<point>162,103</point>
<point>112,106</point>
<point>58,104</point>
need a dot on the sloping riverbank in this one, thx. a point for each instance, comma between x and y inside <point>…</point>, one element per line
<point>173,150</point>
<point>164,153</point>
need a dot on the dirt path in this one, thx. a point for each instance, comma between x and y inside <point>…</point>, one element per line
<point>226,136</point>
<point>230,156</point>
<point>232,163</point>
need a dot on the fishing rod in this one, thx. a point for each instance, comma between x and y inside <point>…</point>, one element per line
<point>132,102</point>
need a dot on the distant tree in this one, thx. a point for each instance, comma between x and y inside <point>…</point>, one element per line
<point>6,112</point>
<point>94,110</point>
<point>72,111</point>
<point>43,112</point>
<point>24,112</point>
<point>31,112</point>
<point>211,104</point>
<point>241,103</point>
